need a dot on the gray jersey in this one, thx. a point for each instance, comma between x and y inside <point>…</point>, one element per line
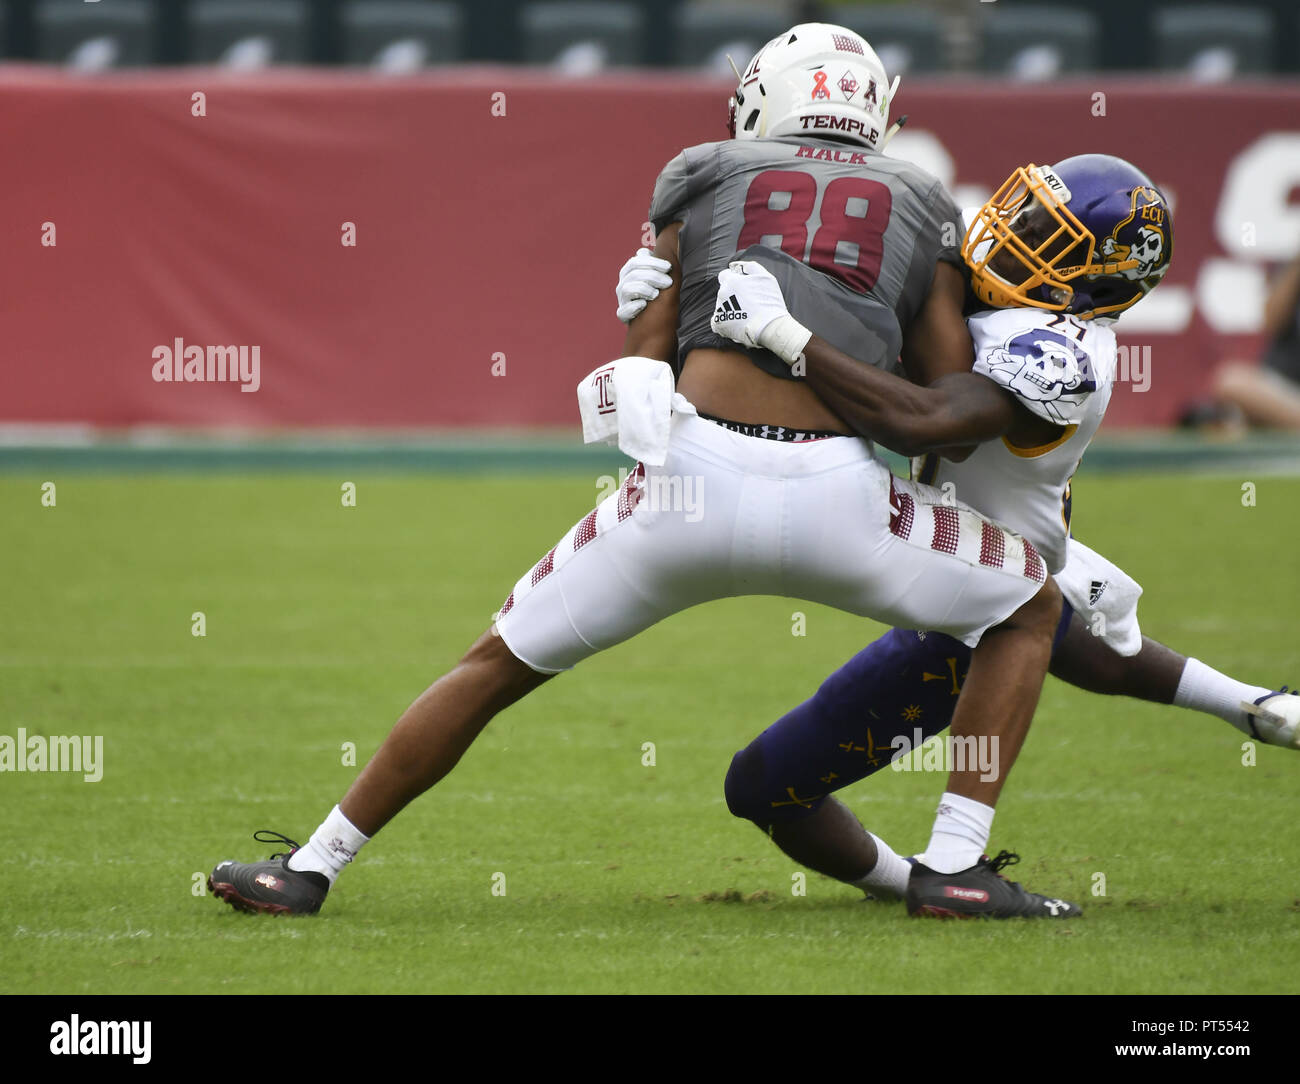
<point>873,226</point>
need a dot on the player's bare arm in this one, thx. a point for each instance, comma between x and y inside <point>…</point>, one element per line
<point>906,417</point>
<point>937,345</point>
<point>653,333</point>
<point>937,342</point>
<point>958,409</point>
<point>949,416</point>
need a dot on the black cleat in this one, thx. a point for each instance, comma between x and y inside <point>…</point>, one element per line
<point>980,892</point>
<point>269,888</point>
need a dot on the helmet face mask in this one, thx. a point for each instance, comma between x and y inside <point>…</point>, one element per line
<point>1019,239</point>
<point>817,80</point>
<point>1090,236</point>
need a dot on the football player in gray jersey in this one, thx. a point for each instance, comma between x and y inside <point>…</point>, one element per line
<point>797,506</point>
<point>875,226</point>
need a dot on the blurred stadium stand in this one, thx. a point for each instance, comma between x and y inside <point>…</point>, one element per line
<point>1177,35</point>
<point>247,34</point>
<point>1204,39</point>
<point>397,36</point>
<point>1037,42</point>
<point>705,34</point>
<point>92,37</point>
<point>1216,42</point>
<point>234,249</point>
<point>580,38</point>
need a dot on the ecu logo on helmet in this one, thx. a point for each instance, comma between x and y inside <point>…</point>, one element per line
<point>1141,237</point>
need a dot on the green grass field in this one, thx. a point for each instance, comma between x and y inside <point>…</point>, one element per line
<point>323,622</point>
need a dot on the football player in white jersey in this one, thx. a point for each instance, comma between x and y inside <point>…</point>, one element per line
<point>794,504</point>
<point>1061,252</point>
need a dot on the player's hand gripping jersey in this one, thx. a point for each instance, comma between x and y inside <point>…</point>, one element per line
<point>874,225</point>
<point>1059,368</point>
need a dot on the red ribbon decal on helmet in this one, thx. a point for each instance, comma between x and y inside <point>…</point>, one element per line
<point>819,86</point>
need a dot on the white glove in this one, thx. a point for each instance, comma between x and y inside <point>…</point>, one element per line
<point>751,311</point>
<point>639,282</point>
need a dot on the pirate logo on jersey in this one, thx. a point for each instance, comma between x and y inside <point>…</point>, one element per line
<point>1049,371</point>
<point>1139,243</point>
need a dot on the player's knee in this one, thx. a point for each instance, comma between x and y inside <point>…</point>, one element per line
<point>492,662</point>
<point>1042,613</point>
<point>490,650</point>
<point>744,785</point>
<point>753,796</point>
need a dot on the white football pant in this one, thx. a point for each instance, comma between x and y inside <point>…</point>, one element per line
<point>824,521</point>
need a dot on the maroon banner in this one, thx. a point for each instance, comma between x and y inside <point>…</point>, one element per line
<point>301,248</point>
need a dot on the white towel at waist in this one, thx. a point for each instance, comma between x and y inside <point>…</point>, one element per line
<point>629,401</point>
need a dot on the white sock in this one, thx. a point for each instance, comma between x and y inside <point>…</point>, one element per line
<point>331,847</point>
<point>888,877</point>
<point>960,836</point>
<point>1203,688</point>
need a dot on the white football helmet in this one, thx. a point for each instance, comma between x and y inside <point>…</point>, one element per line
<point>817,80</point>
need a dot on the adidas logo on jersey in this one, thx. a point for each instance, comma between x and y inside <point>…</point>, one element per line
<point>730,310</point>
<point>1095,590</point>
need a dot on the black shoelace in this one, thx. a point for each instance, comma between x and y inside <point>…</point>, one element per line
<point>1001,862</point>
<point>275,837</point>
